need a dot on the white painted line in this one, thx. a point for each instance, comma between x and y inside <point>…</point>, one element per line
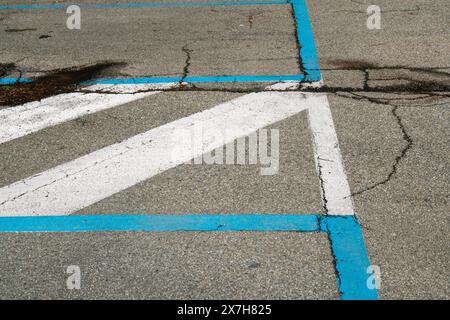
<point>335,187</point>
<point>77,184</point>
<point>18,121</point>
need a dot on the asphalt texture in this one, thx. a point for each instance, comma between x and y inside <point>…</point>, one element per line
<point>389,95</point>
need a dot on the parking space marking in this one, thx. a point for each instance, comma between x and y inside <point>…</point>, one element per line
<point>161,222</point>
<point>350,257</point>
<point>346,239</point>
<point>145,4</point>
<point>305,40</point>
<point>327,155</point>
<point>340,223</point>
<point>112,169</point>
<point>201,79</point>
<point>18,121</point>
<point>186,80</point>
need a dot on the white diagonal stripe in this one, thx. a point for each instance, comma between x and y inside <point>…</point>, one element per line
<point>22,120</point>
<point>79,183</point>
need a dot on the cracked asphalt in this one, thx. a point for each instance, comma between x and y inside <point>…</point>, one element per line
<point>389,93</point>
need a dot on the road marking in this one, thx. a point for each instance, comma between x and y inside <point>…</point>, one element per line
<point>146,4</point>
<point>345,234</point>
<point>305,39</point>
<point>328,158</point>
<point>350,256</point>
<point>202,79</point>
<point>162,222</point>
<point>18,121</point>
<point>79,183</point>
<point>347,242</point>
<point>186,80</point>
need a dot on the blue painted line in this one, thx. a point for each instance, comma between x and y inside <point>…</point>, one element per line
<point>345,234</point>
<point>144,5</point>
<point>161,222</point>
<point>349,251</point>
<point>199,79</point>
<point>14,80</point>
<point>305,38</point>
<point>308,54</point>
<point>192,79</point>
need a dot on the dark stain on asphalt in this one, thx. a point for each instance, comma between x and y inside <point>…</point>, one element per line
<point>250,20</point>
<point>20,30</point>
<point>394,85</point>
<point>254,265</point>
<point>5,68</point>
<point>412,80</point>
<point>44,36</point>
<point>56,82</point>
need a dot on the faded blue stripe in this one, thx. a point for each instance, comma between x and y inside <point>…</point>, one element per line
<point>144,4</point>
<point>14,80</point>
<point>199,79</point>
<point>192,79</point>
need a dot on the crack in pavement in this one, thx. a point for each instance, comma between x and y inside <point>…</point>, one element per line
<point>322,187</point>
<point>323,224</point>
<point>297,43</point>
<point>414,11</point>
<point>6,68</point>
<point>413,86</point>
<point>423,85</point>
<point>409,144</point>
<point>187,63</point>
<point>436,89</point>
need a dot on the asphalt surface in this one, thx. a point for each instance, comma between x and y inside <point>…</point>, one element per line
<point>156,41</point>
<point>394,141</point>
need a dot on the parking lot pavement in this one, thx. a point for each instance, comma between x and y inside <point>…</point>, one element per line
<point>395,141</point>
<point>388,92</point>
<point>155,42</point>
<point>169,266</point>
